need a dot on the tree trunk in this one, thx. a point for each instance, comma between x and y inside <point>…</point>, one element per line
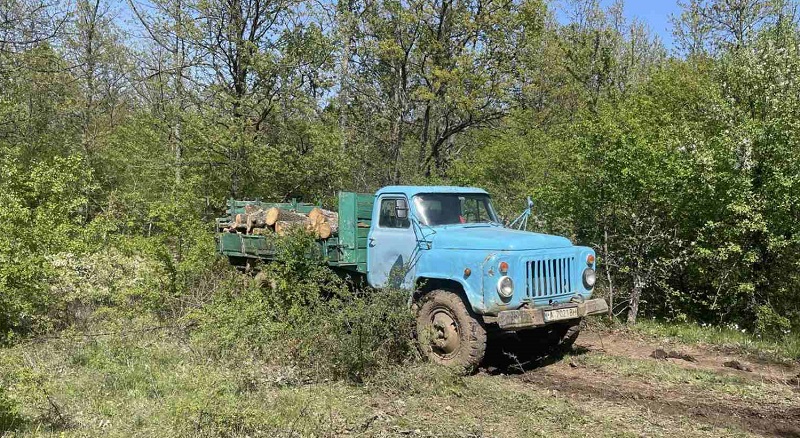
<point>239,222</point>
<point>256,220</point>
<point>321,215</point>
<point>275,214</point>
<point>608,272</point>
<point>323,230</point>
<point>636,295</point>
<point>179,57</point>
<point>283,228</point>
<point>397,134</point>
<point>344,67</point>
<point>316,216</point>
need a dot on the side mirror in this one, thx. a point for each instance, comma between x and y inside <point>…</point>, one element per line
<point>401,208</point>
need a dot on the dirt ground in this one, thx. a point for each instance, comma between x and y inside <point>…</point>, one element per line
<point>709,386</point>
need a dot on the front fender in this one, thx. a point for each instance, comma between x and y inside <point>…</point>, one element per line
<point>451,267</point>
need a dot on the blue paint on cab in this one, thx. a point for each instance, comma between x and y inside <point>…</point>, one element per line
<point>545,269</point>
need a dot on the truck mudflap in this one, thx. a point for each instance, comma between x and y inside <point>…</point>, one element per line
<point>539,316</point>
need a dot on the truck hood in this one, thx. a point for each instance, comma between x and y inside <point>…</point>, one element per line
<point>487,237</point>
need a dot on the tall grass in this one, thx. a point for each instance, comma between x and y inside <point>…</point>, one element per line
<point>726,337</point>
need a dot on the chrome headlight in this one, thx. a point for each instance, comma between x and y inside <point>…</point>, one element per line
<point>505,287</point>
<point>589,278</point>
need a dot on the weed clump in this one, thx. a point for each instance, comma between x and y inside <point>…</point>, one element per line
<point>300,313</point>
<point>9,411</point>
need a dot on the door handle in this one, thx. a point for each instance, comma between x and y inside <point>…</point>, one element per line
<point>371,242</point>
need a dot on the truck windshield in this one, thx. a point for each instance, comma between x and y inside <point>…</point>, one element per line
<point>454,208</point>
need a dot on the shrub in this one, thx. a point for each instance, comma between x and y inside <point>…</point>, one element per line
<point>771,325</point>
<point>10,416</point>
<point>300,313</point>
<point>9,411</point>
<point>353,337</point>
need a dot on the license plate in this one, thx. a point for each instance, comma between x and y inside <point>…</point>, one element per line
<point>559,314</point>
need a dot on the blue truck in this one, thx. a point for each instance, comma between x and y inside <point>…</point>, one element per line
<point>467,274</point>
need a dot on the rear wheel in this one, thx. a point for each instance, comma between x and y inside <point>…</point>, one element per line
<point>449,333</point>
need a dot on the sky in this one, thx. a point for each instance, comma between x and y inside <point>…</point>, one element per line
<point>655,13</point>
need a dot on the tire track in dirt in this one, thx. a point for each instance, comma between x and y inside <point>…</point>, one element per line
<point>582,383</point>
<point>706,358</point>
<point>716,408</point>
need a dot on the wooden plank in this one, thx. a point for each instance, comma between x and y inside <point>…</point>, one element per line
<point>331,250</point>
<point>347,226</point>
<point>230,242</point>
<point>305,208</point>
<point>355,212</point>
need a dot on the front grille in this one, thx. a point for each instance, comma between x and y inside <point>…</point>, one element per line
<point>550,276</point>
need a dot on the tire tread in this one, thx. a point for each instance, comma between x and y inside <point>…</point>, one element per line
<point>471,356</point>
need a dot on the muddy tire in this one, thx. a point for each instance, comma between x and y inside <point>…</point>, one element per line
<point>449,333</point>
<point>569,335</point>
<point>554,338</point>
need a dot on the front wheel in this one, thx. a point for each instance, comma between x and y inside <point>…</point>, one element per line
<point>553,338</point>
<point>449,333</point>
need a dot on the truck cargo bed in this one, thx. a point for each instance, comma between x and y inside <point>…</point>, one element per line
<point>347,249</point>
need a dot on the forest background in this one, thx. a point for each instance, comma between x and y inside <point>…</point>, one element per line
<point>125,126</point>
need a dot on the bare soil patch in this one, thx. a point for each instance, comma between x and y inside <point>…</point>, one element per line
<point>584,385</point>
<point>758,397</point>
<point>706,358</point>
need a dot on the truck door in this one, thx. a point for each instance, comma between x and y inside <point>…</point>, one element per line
<point>391,244</point>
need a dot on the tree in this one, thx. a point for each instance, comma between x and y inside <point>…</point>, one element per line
<point>731,24</point>
<point>27,23</point>
<point>166,65</point>
<point>692,31</point>
<point>434,70</point>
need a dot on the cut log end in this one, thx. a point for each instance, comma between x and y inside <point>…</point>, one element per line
<point>324,230</point>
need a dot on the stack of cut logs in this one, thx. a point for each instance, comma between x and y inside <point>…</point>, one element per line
<point>258,220</point>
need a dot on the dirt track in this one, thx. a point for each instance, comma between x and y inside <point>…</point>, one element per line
<point>619,369</point>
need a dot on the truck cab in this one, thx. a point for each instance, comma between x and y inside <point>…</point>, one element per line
<point>466,273</point>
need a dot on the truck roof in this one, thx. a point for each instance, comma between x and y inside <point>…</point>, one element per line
<point>410,191</point>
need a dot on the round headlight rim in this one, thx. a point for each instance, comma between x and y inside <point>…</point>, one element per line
<point>510,286</point>
<point>589,273</point>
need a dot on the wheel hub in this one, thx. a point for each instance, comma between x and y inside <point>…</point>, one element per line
<point>445,339</point>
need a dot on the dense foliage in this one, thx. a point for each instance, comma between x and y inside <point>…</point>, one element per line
<point>120,140</point>
<point>297,312</point>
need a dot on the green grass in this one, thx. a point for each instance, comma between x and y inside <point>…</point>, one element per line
<point>156,384</point>
<point>724,338</point>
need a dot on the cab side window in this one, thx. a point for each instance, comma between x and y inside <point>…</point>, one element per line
<point>388,216</point>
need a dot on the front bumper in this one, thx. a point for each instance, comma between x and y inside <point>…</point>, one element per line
<point>528,318</point>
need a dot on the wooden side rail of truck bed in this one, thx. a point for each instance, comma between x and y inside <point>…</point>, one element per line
<point>346,249</point>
